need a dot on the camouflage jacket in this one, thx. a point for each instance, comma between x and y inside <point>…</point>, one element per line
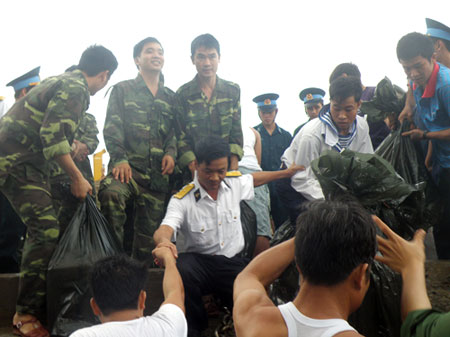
<point>139,129</point>
<point>86,133</point>
<point>42,124</point>
<point>199,118</point>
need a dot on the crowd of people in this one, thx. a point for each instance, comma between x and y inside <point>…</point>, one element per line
<point>159,141</point>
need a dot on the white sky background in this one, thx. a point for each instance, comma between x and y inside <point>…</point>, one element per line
<point>266,46</point>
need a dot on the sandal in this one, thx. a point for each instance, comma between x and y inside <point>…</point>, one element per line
<point>38,331</point>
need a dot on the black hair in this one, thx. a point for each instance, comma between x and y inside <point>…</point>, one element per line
<point>332,239</point>
<point>345,68</point>
<point>211,148</point>
<point>344,87</point>
<point>137,50</point>
<point>96,59</point>
<point>205,40</point>
<point>116,283</point>
<point>414,44</point>
<point>445,42</point>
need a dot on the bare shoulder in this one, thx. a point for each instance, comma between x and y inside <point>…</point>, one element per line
<point>255,315</point>
<point>260,321</point>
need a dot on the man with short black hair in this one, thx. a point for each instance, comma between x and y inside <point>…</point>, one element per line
<point>430,84</point>
<point>207,212</point>
<point>38,128</point>
<point>337,128</point>
<point>334,248</point>
<point>118,286</point>
<point>208,105</point>
<point>140,138</point>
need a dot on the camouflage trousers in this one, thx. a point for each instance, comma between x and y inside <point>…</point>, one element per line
<point>33,203</point>
<point>114,197</point>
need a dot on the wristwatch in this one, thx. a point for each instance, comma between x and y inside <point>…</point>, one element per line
<point>424,135</point>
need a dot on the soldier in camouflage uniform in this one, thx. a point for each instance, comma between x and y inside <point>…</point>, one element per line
<point>208,105</point>
<point>140,138</point>
<point>84,144</point>
<point>40,127</point>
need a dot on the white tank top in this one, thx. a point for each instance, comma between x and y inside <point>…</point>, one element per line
<point>249,159</point>
<point>300,325</point>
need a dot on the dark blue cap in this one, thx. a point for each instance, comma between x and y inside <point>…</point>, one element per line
<point>266,102</point>
<point>312,95</point>
<point>31,78</point>
<point>437,30</point>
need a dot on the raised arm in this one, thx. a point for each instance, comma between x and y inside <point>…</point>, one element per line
<point>254,313</point>
<point>173,289</point>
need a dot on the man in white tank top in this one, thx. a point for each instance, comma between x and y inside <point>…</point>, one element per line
<point>334,247</point>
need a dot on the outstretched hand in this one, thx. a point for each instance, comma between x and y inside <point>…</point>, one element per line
<point>398,253</point>
<point>293,169</point>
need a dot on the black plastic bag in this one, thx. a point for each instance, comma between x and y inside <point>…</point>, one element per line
<point>388,102</point>
<point>248,219</point>
<point>422,208</point>
<point>368,177</point>
<point>87,239</point>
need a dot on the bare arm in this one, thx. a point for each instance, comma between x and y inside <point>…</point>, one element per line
<point>162,238</point>
<point>254,313</point>
<point>264,177</point>
<point>258,146</point>
<point>172,284</point>
<point>80,187</point>
<point>407,258</point>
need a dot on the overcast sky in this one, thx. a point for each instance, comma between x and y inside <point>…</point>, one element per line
<point>266,46</point>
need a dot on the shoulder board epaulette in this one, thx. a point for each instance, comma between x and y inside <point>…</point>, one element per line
<point>185,190</point>
<point>231,174</point>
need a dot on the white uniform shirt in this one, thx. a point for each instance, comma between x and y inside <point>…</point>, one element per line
<point>211,226</point>
<point>314,138</point>
<point>168,321</point>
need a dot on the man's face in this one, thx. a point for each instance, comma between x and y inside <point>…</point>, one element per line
<point>206,60</point>
<point>151,57</point>
<point>418,69</point>
<point>211,175</point>
<point>313,109</point>
<point>268,118</point>
<point>344,113</point>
